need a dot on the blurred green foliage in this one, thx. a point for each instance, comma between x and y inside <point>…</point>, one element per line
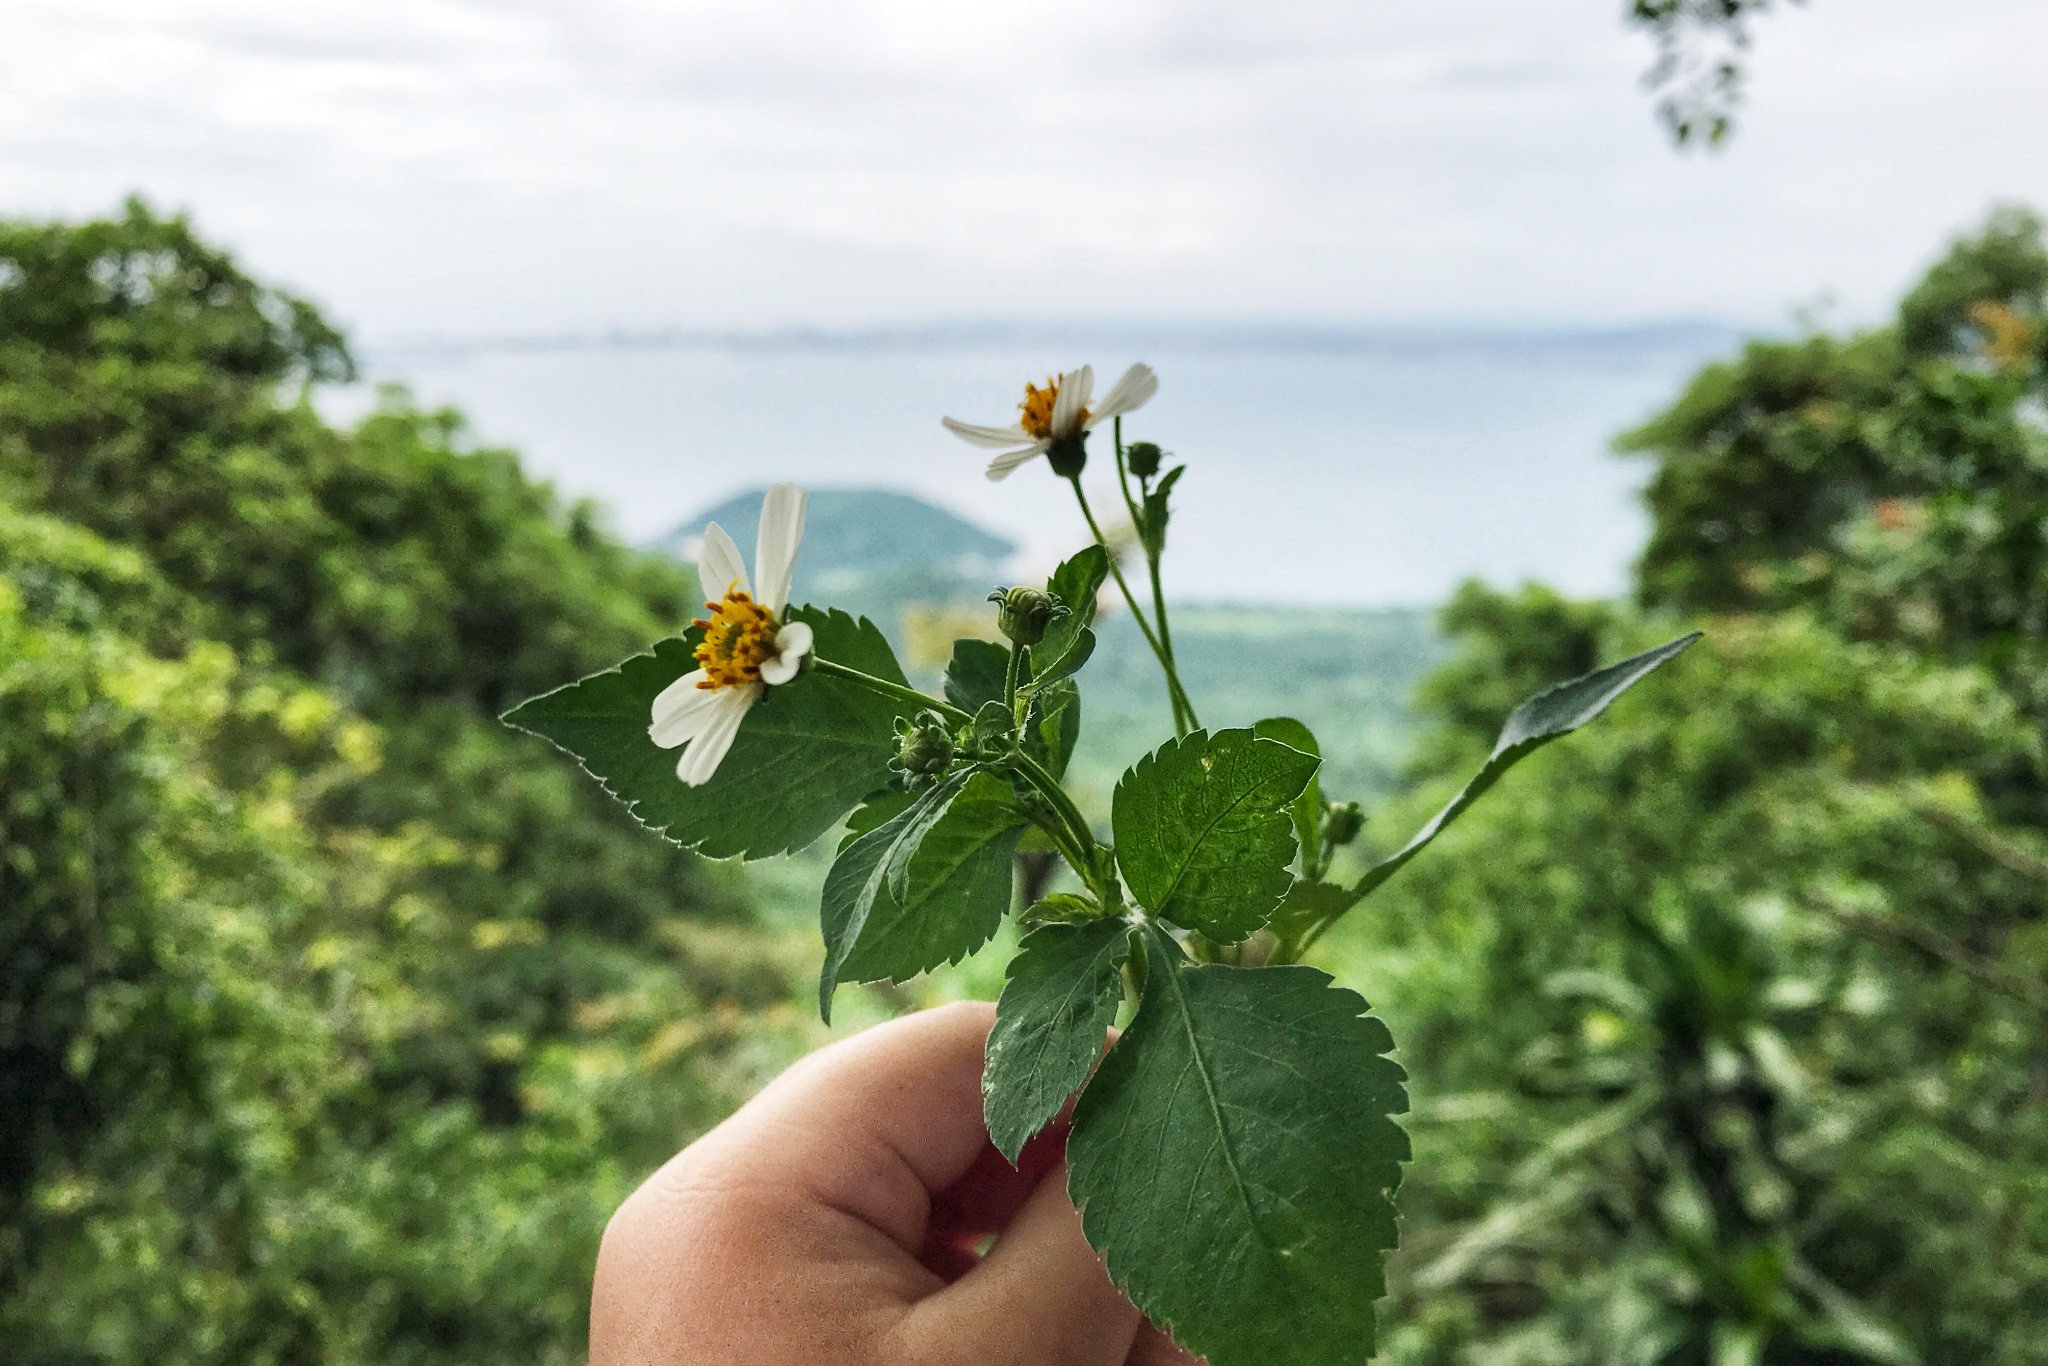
<point>333,1017</point>
<point>1728,1020</point>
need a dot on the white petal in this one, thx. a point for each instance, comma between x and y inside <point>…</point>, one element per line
<point>782,531</point>
<point>1127,395</point>
<point>681,710</point>
<point>991,437</point>
<point>708,750</point>
<point>792,643</point>
<point>1001,467</point>
<point>1076,386</point>
<point>719,566</point>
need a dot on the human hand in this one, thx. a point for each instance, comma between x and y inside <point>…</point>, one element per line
<point>832,1222</point>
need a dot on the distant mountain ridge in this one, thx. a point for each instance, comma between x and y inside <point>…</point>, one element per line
<point>856,531</point>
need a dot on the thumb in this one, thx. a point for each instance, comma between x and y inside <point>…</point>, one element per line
<point>1041,1295</point>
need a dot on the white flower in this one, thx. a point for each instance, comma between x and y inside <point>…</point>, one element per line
<point>747,647</point>
<point>1058,412</point>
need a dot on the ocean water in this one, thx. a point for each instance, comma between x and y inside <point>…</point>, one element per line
<point>1324,467</point>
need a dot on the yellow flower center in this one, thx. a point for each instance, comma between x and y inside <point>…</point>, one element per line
<point>738,638</point>
<point>1037,408</point>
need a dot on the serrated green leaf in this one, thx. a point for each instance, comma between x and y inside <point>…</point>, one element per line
<point>807,752</point>
<point>1202,831</point>
<point>1235,1157</point>
<point>1076,583</point>
<point>1306,811</point>
<point>925,888</point>
<point>977,673</point>
<point>1059,998</point>
<point>1556,711</point>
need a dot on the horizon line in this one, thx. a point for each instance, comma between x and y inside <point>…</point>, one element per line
<point>1257,335</point>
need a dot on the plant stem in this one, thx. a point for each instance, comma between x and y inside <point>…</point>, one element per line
<point>1085,856</point>
<point>897,691</point>
<point>1184,718</point>
<point>1174,694</point>
<point>1011,678</point>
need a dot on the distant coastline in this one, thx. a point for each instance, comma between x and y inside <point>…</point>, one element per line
<point>1387,341</point>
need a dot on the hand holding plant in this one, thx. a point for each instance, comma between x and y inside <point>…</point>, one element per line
<point>1234,1156</point>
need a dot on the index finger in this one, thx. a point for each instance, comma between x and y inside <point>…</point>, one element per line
<point>874,1125</point>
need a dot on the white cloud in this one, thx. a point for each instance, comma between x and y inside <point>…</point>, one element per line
<point>479,165</point>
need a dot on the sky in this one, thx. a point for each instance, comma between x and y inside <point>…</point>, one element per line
<point>516,167</point>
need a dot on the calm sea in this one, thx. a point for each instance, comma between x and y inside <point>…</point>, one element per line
<point>1325,466</point>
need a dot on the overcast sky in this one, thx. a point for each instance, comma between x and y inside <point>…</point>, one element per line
<point>491,166</point>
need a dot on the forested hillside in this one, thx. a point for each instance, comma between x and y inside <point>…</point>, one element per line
<point>333,1016</point>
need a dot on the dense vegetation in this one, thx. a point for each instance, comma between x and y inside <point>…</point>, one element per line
<point>1731,1049</point>
<point>334,1017</point>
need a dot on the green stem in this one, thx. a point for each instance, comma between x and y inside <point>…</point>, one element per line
<point>1085,857</point>
<point>1184,718</point>
<point>1011,679</point>
<point>1166,643</point>
<point>898,691</point>
<point>1174,694</point>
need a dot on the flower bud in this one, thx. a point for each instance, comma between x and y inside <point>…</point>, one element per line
<point>1023,614</point>
<point>1341,822</point>
<point>924,750</point>
<point>1143,457</point>
<point>1068,455</point>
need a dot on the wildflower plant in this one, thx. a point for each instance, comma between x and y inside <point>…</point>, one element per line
<point>1234,1152</point>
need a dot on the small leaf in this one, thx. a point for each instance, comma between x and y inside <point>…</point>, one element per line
<point>1556,711</point>
<point>925,888</point>
<point>978,673</point>
<point>1062,906</point>
<point>1075,583</point>
<point>1235,1158</point>
<point>1053,727</point>
<point>1306,811</point>
<point>807,752</point>
<point>1052,668</point>
<point>1062,993</point>
<point>1202,832</point>
<point>1157,512</point>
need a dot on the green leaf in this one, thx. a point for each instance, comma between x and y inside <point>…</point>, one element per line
<point>1053,726</point>
<point>879,807</point>
<point>807,752</point>
<point>925,888</point>
<point>1062,906</point>
<point>1202,832</point>
<point>1157,512</point>
<point>1306,811</point>
<point>1060,997</point>
<point>1068,661</point>
<point>1076,583</point>
<point>1557,710</point>
<point>977,673</point>
<point>1235,1158</point>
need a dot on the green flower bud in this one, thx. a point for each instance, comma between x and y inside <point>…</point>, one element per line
<point>1341,822</point>
<point>1143,457</point>
<point>1068,455</point>
<point>1023,614</point>
<point>924,750</point>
